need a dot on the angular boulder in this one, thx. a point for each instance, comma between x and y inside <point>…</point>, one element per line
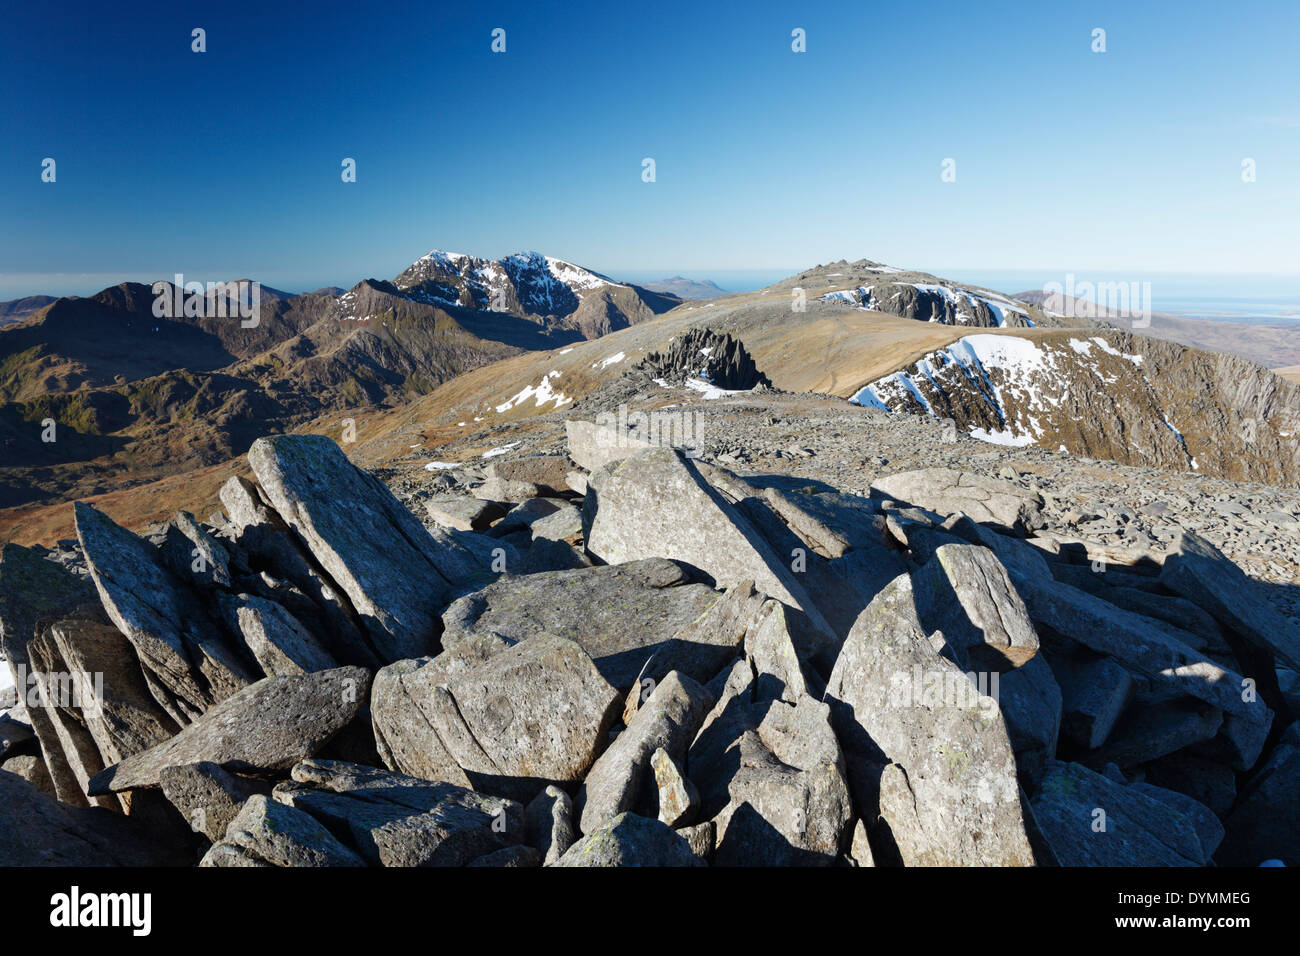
<point>620,614</point>
<point>1201,573</point>
<point>631,840</point>
<point>270,725</point>
<point>622,778</point>
<point>531,715</point>
<point>947,784</point>
<point>370,545</point>
<point>625,519</point>
<point>950,492</point>
<point>164,620</point>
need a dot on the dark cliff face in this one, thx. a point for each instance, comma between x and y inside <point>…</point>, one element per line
<point>1112,395</point>
<point>533,286</point>
<point>944,304</point>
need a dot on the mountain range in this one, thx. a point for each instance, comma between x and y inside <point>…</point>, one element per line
<point>455,344</point>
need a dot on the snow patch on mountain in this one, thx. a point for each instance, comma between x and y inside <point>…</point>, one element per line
<point>542,393</point>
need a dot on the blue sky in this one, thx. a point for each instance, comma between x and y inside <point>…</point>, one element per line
<point>227,163</point>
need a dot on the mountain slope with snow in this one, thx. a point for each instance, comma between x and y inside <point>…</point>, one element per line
<point>1112,395</point>
<point>531,285</point>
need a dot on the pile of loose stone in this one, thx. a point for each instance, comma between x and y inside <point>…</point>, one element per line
<point>620,654</point>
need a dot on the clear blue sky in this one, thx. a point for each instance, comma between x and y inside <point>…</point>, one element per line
<point>227,163</point>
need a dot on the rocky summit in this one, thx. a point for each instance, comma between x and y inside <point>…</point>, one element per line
<point>612,647</point>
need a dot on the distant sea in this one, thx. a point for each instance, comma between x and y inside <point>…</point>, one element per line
<point>1250,299</point>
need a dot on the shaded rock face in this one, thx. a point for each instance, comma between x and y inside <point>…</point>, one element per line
<point>37,830</point>
<point>705,354</point>
<point>1091,820</point>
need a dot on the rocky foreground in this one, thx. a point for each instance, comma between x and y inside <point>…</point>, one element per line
<point>619,654</point>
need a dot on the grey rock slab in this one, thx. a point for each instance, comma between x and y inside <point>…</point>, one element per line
<point>530,715</point>
<point>283,836</point>
<point>592,445</point>
<point>860,849</point>
<point>949,793</point>
<point>1206,825</point>
<point>770,648</point>
<point>93,693</point>
<point>207,796</point>
<point>262,535</point>
<point>227,855</point>
<point>1206,781</point>
<point>503,489</point>
<point>701,837</point>
<point>547,472</point>
<point>678,800</point>
<point>1151,729</point>
<point>564,524</point>
<point>32,588</point>
<point>37,830</point>
<point>1089,820</point>
<point>1264,825</point>
<point>525,514</point>
<point>965,592</point>
<point>278,641</point>
<point>657,504</point>
<point>1094,693</point>
<point>270,725</point>
<point>631,840</point>
<point>1138,643</point>
<point>788,798</point>
<point>194,554</point>
<point>510,857</point>
<point>576,481</point>
<point>374,785</point>
<point>832,524</point>
<point>619,614</point>
<point>32,769</point>
<point>451,831</point>
<point>461,513</point>
<point>369,543</point>
<point>622,778</point>
<point>162,618</point>
<point>981,499</point>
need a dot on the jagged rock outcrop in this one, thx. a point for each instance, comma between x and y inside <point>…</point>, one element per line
<point>707,355</point>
